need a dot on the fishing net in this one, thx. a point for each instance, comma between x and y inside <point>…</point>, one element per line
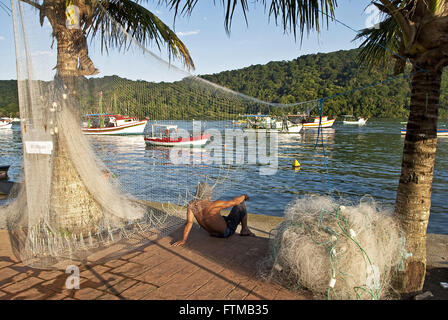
<point>336,251</point>
<point>80,197</point>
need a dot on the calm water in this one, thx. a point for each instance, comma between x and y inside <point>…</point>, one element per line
<point>360,160</point>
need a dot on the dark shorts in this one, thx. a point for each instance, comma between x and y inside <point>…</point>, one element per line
<point>234,218</point>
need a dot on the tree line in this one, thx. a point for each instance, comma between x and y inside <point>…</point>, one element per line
<point>336,74</point>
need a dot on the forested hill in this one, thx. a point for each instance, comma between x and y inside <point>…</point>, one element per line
<point>9,105</point>
<point>305,78</point>
<point>323,75</point>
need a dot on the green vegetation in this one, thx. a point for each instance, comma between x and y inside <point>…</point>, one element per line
<point>9,106</point>
<point>321,75</point>
<point>305,78</point>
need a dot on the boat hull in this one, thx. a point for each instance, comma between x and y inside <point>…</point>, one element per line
<point>6,125</point>
<point>292,129</point>
<point>180,142</point>
<point>440,132</point>
<point>128,129</point>
<point>324,124</point>
<point>296,128</point>
<point>359,122</point>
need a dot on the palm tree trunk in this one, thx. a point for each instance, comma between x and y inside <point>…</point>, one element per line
<point>73,209</point>
<point>413,202</point>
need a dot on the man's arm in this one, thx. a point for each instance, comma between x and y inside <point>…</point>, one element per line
<point>221,204</point>
<point>187,229</point>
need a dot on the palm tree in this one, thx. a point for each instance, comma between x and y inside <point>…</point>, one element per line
<point>411,29</point>
<point>416,30</point>
<point>73,208</point>
<point>97,18</point>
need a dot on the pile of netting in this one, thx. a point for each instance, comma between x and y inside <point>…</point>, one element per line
<point>335,251</point>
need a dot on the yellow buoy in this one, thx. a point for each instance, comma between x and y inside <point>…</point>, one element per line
<point>296,165</point>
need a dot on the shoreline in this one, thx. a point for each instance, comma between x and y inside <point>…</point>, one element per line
<point>261,225</point>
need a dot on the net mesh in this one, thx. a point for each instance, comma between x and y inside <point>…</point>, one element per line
<point>336,252</point>
<point>81,197</point>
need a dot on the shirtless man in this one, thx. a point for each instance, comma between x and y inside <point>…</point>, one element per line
<point>207,214</point>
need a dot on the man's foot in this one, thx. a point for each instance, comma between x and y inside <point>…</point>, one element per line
<point>247,233</point>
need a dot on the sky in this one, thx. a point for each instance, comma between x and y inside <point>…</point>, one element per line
<point>212,49</point>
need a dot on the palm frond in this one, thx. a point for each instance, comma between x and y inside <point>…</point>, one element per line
<point>437,6</point>
<point>295,15</point>
<point>112,17</point>
<point>380,44</point>
<point>301,15</point>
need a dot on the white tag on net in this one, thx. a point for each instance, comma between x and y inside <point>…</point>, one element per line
<point>39,147</point>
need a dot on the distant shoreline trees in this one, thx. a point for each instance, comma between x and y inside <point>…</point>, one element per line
<point>308,77</point>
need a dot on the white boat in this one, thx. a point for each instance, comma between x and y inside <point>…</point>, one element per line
<point>289,127</point>
<point>166,135</point>
<point>5,123</point>
<point>113,124</point>
<point>441,132</point>
<point>265,122</point>
<point>324,123</point>
<point>350,119</point>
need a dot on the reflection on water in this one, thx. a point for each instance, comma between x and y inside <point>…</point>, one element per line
<point>188,156</point>
<point>360,160</point>
<point>11,151</point>
<point>162,173</point>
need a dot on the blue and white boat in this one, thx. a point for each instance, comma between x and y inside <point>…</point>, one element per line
<point>440,132</point>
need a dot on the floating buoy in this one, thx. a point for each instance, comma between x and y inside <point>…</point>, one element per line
<point>296,165</point>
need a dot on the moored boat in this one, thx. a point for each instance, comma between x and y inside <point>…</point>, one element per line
<point>441,132</point>
<point>113,124</point>
<point>240,122</point>
<point>350,119</point>
<point>287,126</point>
<point>325,123</point>
<point>5,123</point>
<point>274,124</point>
<point>166,135</point>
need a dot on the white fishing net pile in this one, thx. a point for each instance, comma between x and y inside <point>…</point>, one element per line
<point>335,251</point>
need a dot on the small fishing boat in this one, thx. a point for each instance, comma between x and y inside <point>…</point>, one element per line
<point>350,119</point>
<point>240,122</point>
<point>166,135</point>
<point>265,122</point>
<point>286,126</point>
<point>113,124</point>
<point>441,132</point>
<point>325,123</point>
<point>5,123</point>
<point>257,121</point>
<point>309,123</point>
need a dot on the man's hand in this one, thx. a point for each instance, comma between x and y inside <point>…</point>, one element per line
<point>179,243</point>
<point>187,228</point>
<point>246,197</point>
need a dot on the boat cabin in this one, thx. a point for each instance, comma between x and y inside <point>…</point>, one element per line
<point>103,120</point>
<point>162,130</point>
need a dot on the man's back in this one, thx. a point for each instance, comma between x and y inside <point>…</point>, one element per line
<point>207,214</point>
